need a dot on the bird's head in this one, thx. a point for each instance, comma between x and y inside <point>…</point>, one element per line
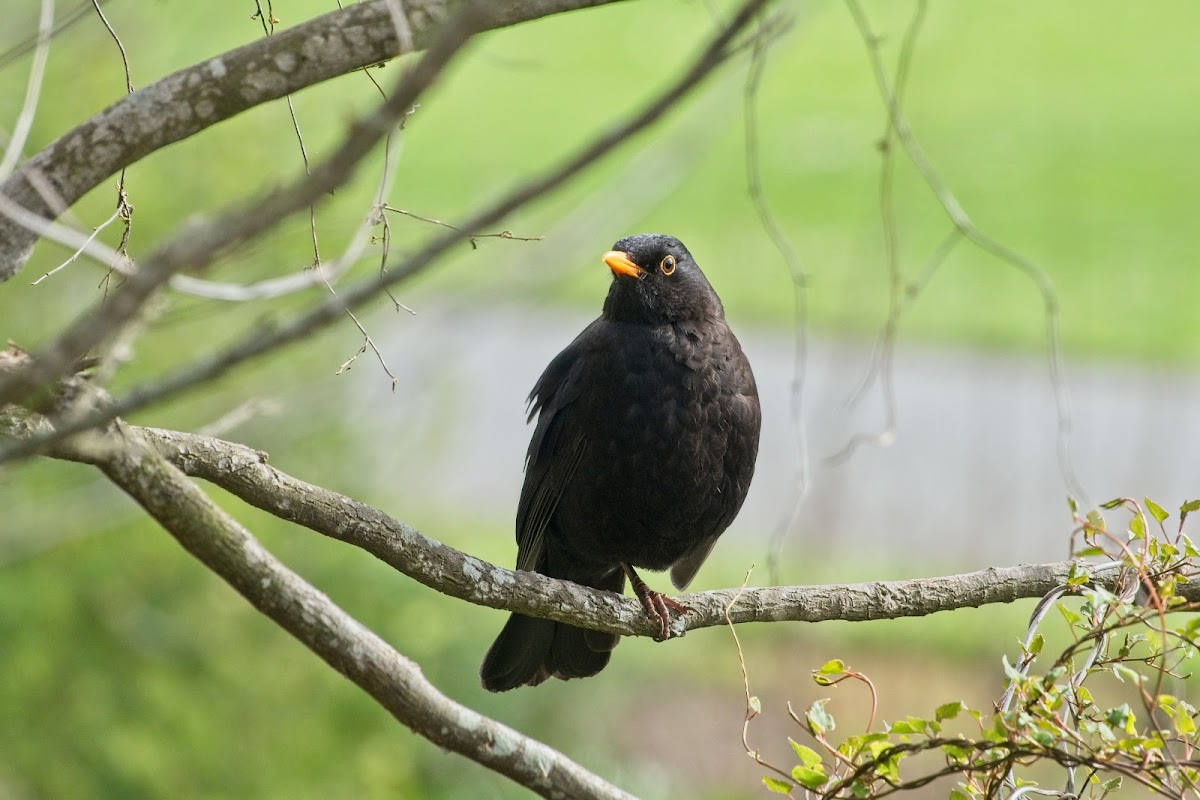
<point>655,279</point>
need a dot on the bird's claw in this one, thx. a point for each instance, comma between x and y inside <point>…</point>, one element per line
<point>659,607</point>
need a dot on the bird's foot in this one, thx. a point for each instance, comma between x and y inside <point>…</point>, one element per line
<point>657,605</point>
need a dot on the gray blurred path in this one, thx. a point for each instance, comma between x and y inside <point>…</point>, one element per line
<point>972,478</point>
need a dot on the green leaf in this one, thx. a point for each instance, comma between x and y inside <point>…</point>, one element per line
<point>1036,644</point>
<point>1184,724</point>
<point>1189,549</point>
<point>1009,670</point>
<point>1121,717</point>
<point>1187,508</point>
<point>853,745</point>
<point>1112,784</point>
<point>1088,552</point>
<point>903,726</point>
<point>777,786</point>
<point>1137,528</point>
<point>1155,510</point>
<point>832,667</point>
<point>957,752</point>
<point>948,710</point>
<point>1123,673</point>
<point>956,794</point>
<point>1096,520</point>
<point>1078,575</point>
<point>819,720</point>
<point>1111,504</point>
<point>809,778</point>
<point>1072,617</point>
<point>808,757</point>
<point>1084,695</point>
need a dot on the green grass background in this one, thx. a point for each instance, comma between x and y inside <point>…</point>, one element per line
<point>129,672</point>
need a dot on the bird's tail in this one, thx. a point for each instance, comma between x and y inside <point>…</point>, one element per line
<point>530,650</point>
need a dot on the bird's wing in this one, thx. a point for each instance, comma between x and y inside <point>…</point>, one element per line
<point>683,570</point>
<point>555,451</point>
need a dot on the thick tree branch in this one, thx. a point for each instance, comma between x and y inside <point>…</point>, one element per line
<point>396,683</point>
<point>325,312</point>
<point>245,473</point>
<point>193,99</point>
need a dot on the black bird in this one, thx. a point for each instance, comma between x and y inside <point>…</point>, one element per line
<point>645,445</point>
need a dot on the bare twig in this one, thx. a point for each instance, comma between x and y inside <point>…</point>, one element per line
<point>899,295</point>
<point>33,91</point>
<point>117,39</point>
<point>799,280</point>
<point>471,237</point>
<point>753,704</point>
<point>268,26</point>
<point>30,42</point>
<point>82,248</point>
<point>964,225</point>
<point>124,208</point>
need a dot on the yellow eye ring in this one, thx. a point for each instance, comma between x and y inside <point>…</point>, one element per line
<point>667,265</point>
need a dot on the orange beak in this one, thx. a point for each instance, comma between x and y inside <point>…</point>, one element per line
<point>620,264</point>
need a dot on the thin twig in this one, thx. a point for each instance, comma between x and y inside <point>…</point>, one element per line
<point>82,248</point>
<point>367,342</point>
<point>124,207</point>
<point>799,280</point>
<point>31,41</point>
<point>963,223</point>
<point>33,91</point>
<point>471,237</point>
<point>120,46</point>
<point>753,704</point>
<point>899,296</point>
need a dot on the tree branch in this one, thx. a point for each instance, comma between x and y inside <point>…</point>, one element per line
<point>192,99</point>
<point>273,337</point>
<point>203,240</point>
<point>245,473</point>
<point>228,549</point>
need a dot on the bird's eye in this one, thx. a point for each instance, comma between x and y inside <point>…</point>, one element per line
<point>667,265</point>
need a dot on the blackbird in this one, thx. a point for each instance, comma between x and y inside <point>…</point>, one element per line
<point>645,444</point>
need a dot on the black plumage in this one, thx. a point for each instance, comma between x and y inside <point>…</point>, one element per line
<point>647,434</point>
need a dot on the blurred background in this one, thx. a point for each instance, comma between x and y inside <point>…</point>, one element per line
<point>128,671</point>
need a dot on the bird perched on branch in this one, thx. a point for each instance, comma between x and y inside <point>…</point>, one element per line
<point>646,438</point>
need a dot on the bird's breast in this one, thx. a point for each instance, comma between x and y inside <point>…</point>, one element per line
<point>658,402</point>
